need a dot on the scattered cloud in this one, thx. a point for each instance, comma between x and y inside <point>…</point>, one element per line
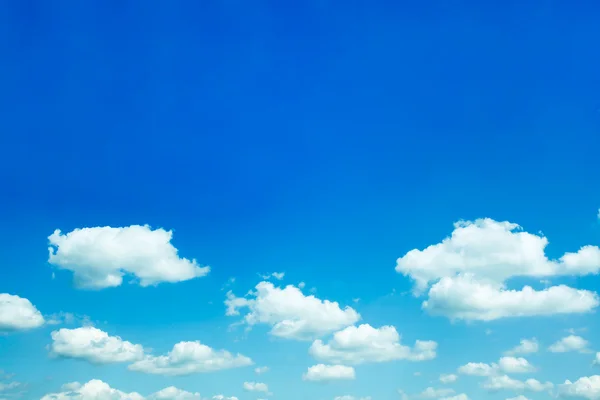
<point>504,382</point>
<point>94,390</point>
<point>256,387</point>
<point>290,313</point>
<point>323,373</point>
<point>261,370</point>
<point>461,396</point>
<point>507,364</point>
<point>188,358</point>
<point>519,397</point>
<point>465,274</point>
<point>526,346</point>
<point>173,393</point>
<point>9,386</point>
<point>99,257</point>
<point>432,393</point>
<point>597,360</point>
<point>448,378</point>
<point>17,313</point>
<point>570,343</point>
<point>365,344</point>
<point>587,387</point>
<point>94,345</point>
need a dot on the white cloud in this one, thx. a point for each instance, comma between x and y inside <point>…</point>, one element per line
<point>322,373</point>
<point>519,397</point>
<point>221,397</point>
<point>448,378</point>
<point>290,313</point>
<point>464,298</point>
<point>71,386</point>
<point>94,390</point>
<point>432,393</point>
<point>188,358</point>
<point>100,256</point>
<point>570,343</point>
<point>526,346</point>
<point>278,275</point>
<point>98,390</point>
<point>504,382</point>
<point>17,313</point>
<point>478,369</point>
<point>508,364</point>
<point>94,345</point>
<point>587,387</point>
<point>261,370</point>
<point>461,396</point>
<point>467,272</point>
<point>173,393</point>
<point>515,365</point>
<point>9,386</point>
<point>597,360</point>
<point>363,344</point>
<point>256,387</point>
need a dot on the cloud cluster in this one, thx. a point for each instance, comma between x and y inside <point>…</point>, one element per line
<point>507,364</point>
<point>465,276</point>
<point>365,344</point>
<point>97,346</point>
<point>290,313</point>
<point>99,257</point>
<point>96,389</point>
<point>584,387</point>
<point>190,357</point>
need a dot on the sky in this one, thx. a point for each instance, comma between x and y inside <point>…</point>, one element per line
<point>329,200</point>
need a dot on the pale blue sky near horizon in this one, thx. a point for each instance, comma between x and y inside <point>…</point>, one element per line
<point>322,139</point>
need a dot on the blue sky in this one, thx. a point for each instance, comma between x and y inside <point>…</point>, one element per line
<point>324,140</point>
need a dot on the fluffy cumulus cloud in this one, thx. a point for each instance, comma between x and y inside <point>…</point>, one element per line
<point>587,387</point>
<point>173,393</point>
<point>525,346</point>
<point>570,343</point>
<point>93,390</point>
<point>448,378</point>
<point>188,358</point>
<point>256,387</point>
<point>508,365</point>
<point>261,370</point>
<point>363,344</point>
<point>597,359</point>
<point>99,257</point>
<point>504,382</point>
<point>17,313</point>
<point>348,397</point>
<point>324,373</point>
<point>465,275</point>
<point>519,397</point>
<point>98,390</point>
<point>94,345</point>
<point>290,313</point>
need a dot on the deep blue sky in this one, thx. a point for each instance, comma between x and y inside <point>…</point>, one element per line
<point>320,138</point>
